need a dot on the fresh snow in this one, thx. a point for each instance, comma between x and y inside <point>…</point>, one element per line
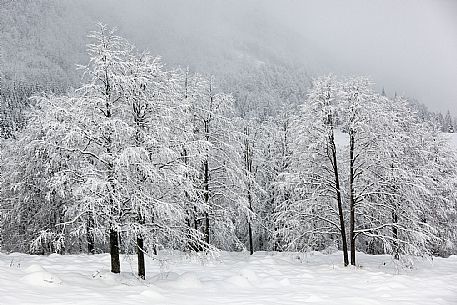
<point>231,278</point>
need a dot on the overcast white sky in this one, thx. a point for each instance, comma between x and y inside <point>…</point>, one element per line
<point>407,46</point>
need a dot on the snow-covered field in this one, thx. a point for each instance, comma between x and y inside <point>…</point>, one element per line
<point>231,278</point>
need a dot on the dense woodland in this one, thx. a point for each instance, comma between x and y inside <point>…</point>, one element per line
<point>142,156</point>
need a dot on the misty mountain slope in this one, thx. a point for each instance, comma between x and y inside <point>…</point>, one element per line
<point>379,39</point>
<point>43,40</point>
<point>36,47</point>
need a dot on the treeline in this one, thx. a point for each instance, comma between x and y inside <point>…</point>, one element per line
<point>447,122</point>
<point>142,157</point>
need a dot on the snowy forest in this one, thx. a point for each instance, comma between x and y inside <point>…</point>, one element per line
<point>108,148</point>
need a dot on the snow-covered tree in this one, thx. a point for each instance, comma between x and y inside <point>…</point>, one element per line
<point>448,125</point>
<point>370,179</point>
<point>102,129</point>
<point>357,108</point>
<point>252,138</point>
<point>317,207</point>
<point>221,168</point>
<point>34,202</point>
<point>398,184</point>
<point>277,179</point>
<point>155,166</point>
<point>123,132</point>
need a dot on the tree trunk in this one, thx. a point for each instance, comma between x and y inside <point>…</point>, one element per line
<point>90,234</point>
<point>251,246</point>
<point>155,250</point>
<point>140,252</point>
<point>351,196</point>
<point>396,245</point>
<point>114,251</point>
<point>339,201</point>
<point>206,227</point>
<point>248,164</point>
<point>395,235</point>
<point>114,242</point>
<point>206,187</point>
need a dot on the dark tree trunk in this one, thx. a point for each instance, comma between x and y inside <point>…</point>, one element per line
<point>395,235</point>
<point>396,244</point>
<point>251,245</point>
<point>114,236</point>
<point>154,249</point>
<point>140,252</point>
<point>114,251</point>
<point>207,227</point>
<point>206,188</point>
<point>140,249</point>
<point>276,239</point>
<point>248,165</point>
<point>90,234</point>
<point>351,196</point>
<point>338,198</point>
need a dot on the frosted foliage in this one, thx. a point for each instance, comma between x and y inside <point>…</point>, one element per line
<point>401,181</point>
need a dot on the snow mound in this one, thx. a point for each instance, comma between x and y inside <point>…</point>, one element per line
<point>169,276</point>
<point>107,278</point>
<point>41,279</point>
<point>244,279</point>
<point>239,281</point>
<point>250,275</point>
<point>34,268</point>
<point>36,275</point>
<point>187,280</point>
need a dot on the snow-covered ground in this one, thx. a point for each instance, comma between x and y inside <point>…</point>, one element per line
<point>231,278</point>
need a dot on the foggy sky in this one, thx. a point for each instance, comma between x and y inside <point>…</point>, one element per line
<point>408,46</point>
